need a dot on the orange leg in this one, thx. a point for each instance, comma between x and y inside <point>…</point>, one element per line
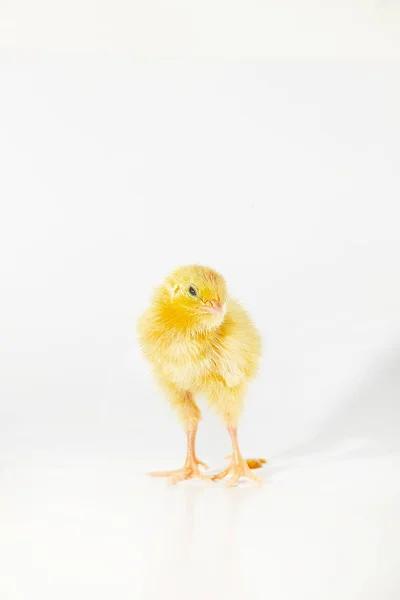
<point>190,469</point>
<point>239,467</point>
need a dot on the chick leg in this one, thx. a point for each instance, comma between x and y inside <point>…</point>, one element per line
<point>190,469</point>
<point>190,416</point>
<point>239,467</point>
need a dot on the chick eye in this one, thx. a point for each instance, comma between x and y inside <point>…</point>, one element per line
<point>192,291</point>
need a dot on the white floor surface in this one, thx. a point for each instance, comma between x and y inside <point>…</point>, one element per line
<point>86,525</point>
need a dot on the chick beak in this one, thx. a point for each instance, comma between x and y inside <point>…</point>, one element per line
<point>216,308</point>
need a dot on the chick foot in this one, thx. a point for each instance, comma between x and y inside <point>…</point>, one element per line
<point>236,470</point>
<point>253,463</point>
<point>190,470</point>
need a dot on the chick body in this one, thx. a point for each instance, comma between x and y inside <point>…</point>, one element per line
<point>200,344</point>
<point>217,361</point>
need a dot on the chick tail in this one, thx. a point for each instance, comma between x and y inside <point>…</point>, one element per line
<point>252,463</point>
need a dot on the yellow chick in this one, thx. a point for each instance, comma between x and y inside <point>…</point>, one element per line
<point>200,341</point>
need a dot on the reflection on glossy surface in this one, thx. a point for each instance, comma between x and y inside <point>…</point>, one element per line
<point>79,527</point>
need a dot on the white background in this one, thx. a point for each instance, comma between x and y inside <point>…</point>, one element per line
<point>284,175</point>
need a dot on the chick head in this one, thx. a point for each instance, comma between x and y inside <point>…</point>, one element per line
<point>198,297</point>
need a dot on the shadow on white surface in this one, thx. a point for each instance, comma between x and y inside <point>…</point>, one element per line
<point>205,560</point>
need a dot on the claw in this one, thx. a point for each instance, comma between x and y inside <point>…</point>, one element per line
<point>221,475</point>
<point>202,464</point>
<point>237,470</point>
<point>189,471</point>
<point>162,473</point>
